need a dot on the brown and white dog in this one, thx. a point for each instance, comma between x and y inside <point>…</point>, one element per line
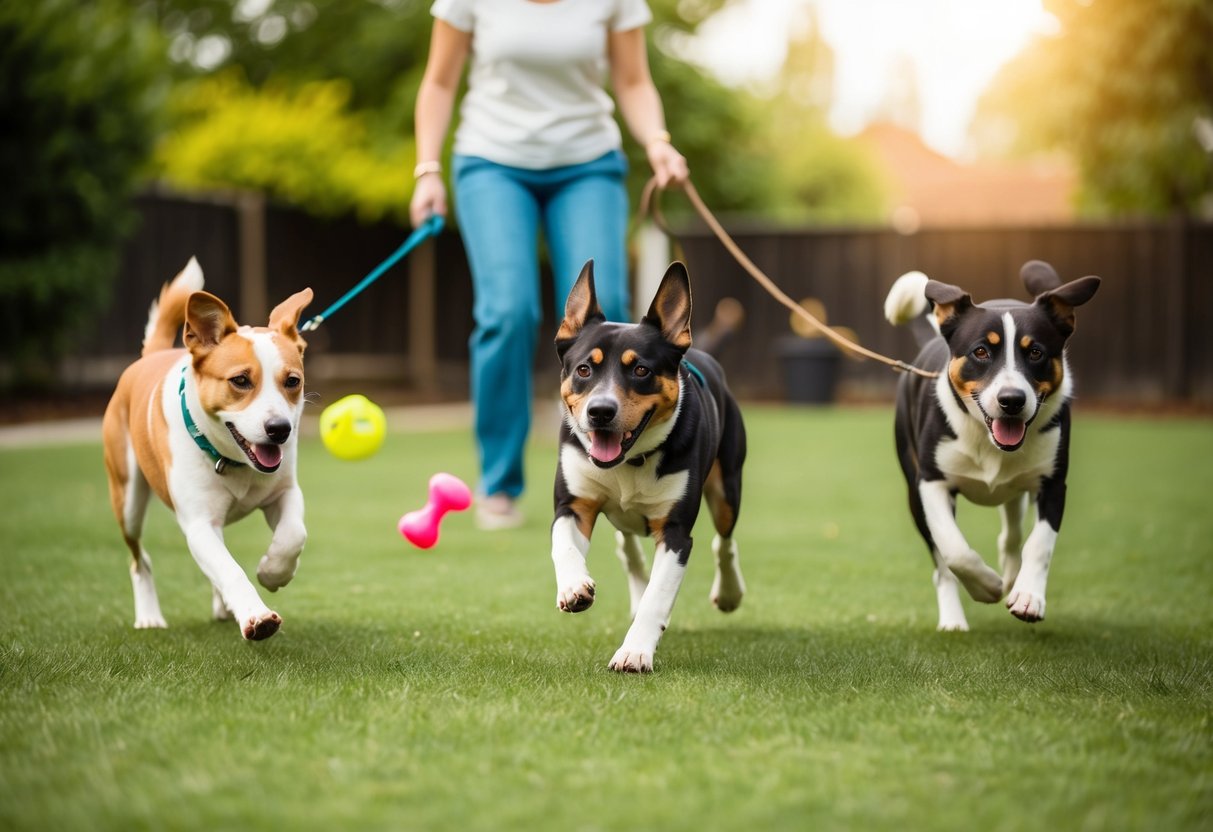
<point>212,430</point>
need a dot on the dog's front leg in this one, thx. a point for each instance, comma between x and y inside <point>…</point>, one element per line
<point>982,582</point>
<point>1026,601</point>
<point>285,518</point>
<point>635,655</point>
<point>1010,540</point>
<point>205,540</point>
<point>570,546</point>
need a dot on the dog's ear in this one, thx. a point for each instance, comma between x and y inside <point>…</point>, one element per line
<point>580,308</point>
<point>1039,277</point>
<point>285,317</point>
<point>1059,304</point>
<point>207,322</point>
<point>950,303</point>
<point>670,311</point>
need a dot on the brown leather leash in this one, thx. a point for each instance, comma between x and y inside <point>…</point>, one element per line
<point>649,207</point>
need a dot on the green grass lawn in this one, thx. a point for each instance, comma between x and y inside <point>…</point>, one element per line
<point>443,690</point>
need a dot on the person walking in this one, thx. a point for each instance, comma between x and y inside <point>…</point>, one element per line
<point>537,149</point>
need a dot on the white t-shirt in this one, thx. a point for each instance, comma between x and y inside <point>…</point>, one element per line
<point>536,96</point>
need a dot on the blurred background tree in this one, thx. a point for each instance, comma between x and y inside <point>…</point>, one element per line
<point>1126,90</point>
<point>83,84</point>
<point>312,102</point>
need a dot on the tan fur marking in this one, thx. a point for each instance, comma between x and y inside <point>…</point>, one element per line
<point>713,491</point>
<point>1048,387</point>
<point>993,337</point>
<point>572,401</point>
<point>657,529</point>
<point>212,373</point>
<point>663,404</point>
<point>964,388</point>
<point>1025,342</point>
<point>586,512</point>
<point>628,358</point>
<point>597,356</point>
<point>1063,311</point>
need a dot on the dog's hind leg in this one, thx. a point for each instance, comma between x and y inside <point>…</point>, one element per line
<point>129,495</point>
<point>982,583</point>
<point>635,655</point>
<point>1010,540</point>
<point>219,610</point>
<point>728,587</point>
<point>629,552</point>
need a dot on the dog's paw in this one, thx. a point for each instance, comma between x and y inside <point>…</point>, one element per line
<point>577,597</point>
<point>150,622</point>
<point>275,573</point>
<point>629,660</point>
<point>1026,606</point>
<point>952,626</point>
<point>727,592</point>
<point>258,627</point>
<point>980,581</point>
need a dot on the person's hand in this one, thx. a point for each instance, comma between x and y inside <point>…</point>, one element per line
<point>429,198</point>
<point>669,166</point>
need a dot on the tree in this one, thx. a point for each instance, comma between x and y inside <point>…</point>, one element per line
<point>78,106</point>
<point>1126,89</point>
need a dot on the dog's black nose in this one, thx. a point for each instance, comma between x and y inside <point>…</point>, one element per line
<point>278,429</point>
<point>1012,400</point>
<point>601,412</point>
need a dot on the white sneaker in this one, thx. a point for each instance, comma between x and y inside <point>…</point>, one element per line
<point>497,512</point>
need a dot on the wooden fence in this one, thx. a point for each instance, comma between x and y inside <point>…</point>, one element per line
<point>1144,338</point>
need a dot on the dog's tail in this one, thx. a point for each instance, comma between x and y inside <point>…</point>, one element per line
<point>907,303</point>
<point>1039,277</point>
<point>167,313</point>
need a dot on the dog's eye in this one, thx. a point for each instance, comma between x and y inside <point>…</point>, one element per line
<point>981,354</point>
<point>292,382</point>
<point>241,382</point>
<point>583,371</point>
<point>1035,354</point>
<point>641,371</point>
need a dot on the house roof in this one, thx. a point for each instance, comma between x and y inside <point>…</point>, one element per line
<point>930,189</point>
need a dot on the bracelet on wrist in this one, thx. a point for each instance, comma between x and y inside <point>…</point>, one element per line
<point>659,136</point>
<point>427,167</point>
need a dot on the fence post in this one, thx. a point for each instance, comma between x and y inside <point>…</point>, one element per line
<point>1176,354</point>
<point>254,294</point>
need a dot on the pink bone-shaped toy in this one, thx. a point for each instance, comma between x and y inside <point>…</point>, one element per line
<point>447,493</point>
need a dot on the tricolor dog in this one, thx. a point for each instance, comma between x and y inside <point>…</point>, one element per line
<point>211,430</point>
<point>994,427</point>
<point>649,431</point>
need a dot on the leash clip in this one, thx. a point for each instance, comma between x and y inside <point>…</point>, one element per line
<point>221,466</point>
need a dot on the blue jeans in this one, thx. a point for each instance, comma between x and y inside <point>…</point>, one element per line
<point>583,212</point>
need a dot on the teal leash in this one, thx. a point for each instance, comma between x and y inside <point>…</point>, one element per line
<point>432,225</point>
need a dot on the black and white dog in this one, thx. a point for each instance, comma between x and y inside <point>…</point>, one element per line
<point>993,427</point>
<point>649,430</point>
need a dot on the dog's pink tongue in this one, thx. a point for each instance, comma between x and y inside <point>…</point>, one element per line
<point>268,455</point>
<point>1008,431</point>
<point>604,445</point>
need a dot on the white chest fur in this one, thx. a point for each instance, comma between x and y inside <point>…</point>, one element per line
<point>983,473</point>
<point>630,494</point>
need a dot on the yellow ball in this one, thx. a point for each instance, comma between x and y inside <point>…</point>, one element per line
<point>352,427</point>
